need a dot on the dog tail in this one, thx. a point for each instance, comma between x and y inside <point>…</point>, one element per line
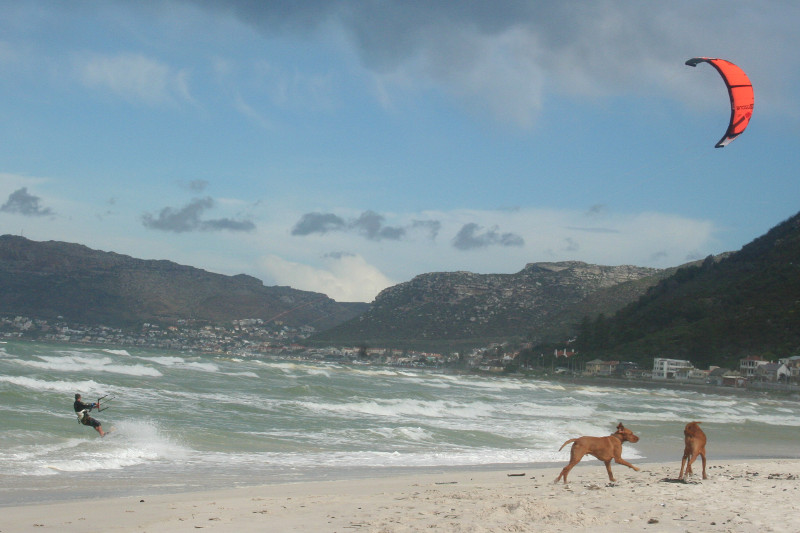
<point>562,446</point>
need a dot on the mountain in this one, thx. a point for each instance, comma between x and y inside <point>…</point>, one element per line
<point>717,312</point>
<point>52,279</point>
<point>542,302</point>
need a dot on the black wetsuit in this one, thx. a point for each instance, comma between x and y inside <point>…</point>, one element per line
<point>86,420</point>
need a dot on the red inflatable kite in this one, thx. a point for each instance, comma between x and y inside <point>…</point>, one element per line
<point>740,91</point>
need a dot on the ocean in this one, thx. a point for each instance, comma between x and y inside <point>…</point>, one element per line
<point>184,422</point>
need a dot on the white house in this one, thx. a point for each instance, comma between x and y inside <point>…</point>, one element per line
<point>671,368</point>
<point>749,365</point>
<point>773,372</point>
<point>793,363</point>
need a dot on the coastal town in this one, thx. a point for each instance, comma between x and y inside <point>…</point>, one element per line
<point>255,338</point>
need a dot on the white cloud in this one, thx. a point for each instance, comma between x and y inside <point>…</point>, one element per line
<point>344,277</point>
<point>136,78</point>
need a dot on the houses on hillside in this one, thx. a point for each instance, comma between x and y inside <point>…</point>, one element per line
<point>751,369</point>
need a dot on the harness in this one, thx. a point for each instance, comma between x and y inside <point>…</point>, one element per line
<point>83,417</point>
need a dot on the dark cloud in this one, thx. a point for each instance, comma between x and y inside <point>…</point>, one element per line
<point>228,224</point>
<point>318,223</point>
<point>431,226</point>
<point>189,218</point>
<point>369,224</point>
<point>470,237</point>
<point>23,203</point>
<point>507,56</point>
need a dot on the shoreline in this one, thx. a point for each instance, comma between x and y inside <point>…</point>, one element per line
<point>740,495</point>
<point>603,381</point>
<point>754,389</point>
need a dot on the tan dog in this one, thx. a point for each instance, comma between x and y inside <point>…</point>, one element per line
<point>604,448</point>
<point>695,445</point>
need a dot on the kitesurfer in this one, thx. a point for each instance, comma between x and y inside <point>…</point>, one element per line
<point>82,410</point>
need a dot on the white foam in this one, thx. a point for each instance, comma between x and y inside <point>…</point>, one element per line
<point>203,367</point>
<point>285,367</point>
<point>406,407</point>
<point>243,374</point>
<point>52,386</point>
<point>132,442</point>
<point>116,352</point>
<point>80,363</point>
<point>404,434</point>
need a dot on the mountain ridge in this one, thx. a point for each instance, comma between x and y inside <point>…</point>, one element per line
<point>52,279</point>
<point>467,309</point>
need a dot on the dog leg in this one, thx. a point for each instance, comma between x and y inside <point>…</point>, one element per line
<point>576,453</point>
<point>565,471</point>
<point>692,459</point>
<point>608,468</point>
<point>622,461</point>
<point>574,458</point>
<point>703,456</point>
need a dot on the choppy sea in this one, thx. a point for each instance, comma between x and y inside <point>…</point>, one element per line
<point>184,422</point>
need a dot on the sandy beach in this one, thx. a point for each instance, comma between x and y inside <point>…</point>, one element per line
<point>760,495</point>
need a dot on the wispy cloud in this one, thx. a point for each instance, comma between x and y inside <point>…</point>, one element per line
<point>472,236</point>
<point>190,218</point>
<point>318,223</point>
<point>369,224</point>
<point>135,77</point>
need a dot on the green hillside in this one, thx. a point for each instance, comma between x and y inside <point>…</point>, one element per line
<point>716,313</point>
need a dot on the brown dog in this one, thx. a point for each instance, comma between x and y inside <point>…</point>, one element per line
<point>604,448</point>
<point>695,445</point>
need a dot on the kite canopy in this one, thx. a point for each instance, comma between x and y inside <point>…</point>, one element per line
<point>740,91</point>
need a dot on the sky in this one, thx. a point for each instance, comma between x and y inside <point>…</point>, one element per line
<point>345,147</point>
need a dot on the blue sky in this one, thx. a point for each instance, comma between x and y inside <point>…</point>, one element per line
<point>344,147</point>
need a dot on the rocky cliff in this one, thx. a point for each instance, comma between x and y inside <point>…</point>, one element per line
<point>544,301</point>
